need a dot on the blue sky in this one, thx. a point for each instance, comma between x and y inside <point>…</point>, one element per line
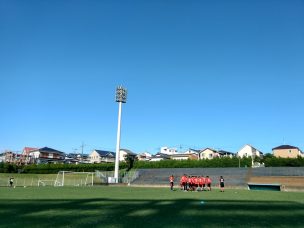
<point>199,74</point>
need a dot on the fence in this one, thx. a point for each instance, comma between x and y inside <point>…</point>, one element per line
<point>124,177</point>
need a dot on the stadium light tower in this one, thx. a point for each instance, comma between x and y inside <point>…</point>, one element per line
<point>121,97</point>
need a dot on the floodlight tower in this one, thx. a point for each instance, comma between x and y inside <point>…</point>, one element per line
<point>121,97</point>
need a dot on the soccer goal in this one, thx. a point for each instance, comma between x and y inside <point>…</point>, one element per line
<point>67,178</point>
<point>43,183</point>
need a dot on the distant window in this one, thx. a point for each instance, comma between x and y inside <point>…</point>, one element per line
<point>289,151</point>
<point>210,155</point>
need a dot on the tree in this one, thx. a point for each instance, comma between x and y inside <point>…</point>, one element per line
<point>130,159</point>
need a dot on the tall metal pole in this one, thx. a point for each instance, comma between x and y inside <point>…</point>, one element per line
<point>118,144</point>
<point>121,97</point>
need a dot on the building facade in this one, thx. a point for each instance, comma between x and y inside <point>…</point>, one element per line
<point>287,151</point>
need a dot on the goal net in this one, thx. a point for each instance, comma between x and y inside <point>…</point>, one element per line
<point>44,183</point>
<point>123,176</point>
<point>67,178</point>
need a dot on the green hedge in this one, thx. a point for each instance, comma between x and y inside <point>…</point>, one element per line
<point>269,161</point>
<point>283,162</point>
<point>8,168</point>
<point>54,168</point>
<point>205,163</point>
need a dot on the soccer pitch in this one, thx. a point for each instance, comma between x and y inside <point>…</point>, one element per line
<point>147,207</point>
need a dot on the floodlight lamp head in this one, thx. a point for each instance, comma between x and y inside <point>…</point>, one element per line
<point>121,94</point>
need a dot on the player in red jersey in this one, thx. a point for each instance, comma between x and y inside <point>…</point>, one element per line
<point>193,183</point>
<point>208,181</point>
<point>200,183</point>
<point>196,183</point>
<point>203,180</point>
<point>189,183</point>
<point>183,182</point>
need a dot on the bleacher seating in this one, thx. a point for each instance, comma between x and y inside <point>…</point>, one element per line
<point>234,177</point>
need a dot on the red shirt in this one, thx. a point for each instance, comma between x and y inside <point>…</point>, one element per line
<point>201,180</point>
<point>196,180</point>
<point>183,179</point>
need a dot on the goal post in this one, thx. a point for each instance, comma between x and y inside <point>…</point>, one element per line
<point>69,178</point>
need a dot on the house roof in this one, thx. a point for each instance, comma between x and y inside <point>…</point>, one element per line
<point>103,153</point>
<point>194,150</point>
<point>208,149</point>
<point>283,147</point>
<point>251,147</point>
<point>183,155</point>
<point>128,152</point>
<point>27,150</point>
<point>224,152</point>
<point>161,155</point>
<point>74,155</point>
<point>50,150</point>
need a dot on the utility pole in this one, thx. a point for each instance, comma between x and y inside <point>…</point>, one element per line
<point>121,97</point>
<point>82,146</point>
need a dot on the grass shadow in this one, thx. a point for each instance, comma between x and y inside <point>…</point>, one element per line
<point>104,212</point>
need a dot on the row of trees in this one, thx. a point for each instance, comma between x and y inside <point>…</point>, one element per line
<point>55,168</point>
<point>268,160</point>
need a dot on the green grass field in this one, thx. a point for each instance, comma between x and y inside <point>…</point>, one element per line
<point>147,207</point>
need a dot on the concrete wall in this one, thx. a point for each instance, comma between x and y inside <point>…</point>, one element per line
<point>234,177</point>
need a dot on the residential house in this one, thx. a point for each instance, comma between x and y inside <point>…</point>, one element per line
<point>47,155</point>
<point>184,156</point>
<point>100,156</point>
<point>190,154</point>
<point>287,151</point>
<point>26,150</point>
<point>160,157</point>
<point>223,153</point>
<point>74,158</point>
<point>8,157</point>
<point>25,157</point>
<point>192,151</point>
<point>249,151</point>
<point>123,153</point>
<point>208,154</point>
<point>145,156</point>
<point>167,150</point>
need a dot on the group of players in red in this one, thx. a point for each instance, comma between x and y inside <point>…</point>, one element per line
<point>195,183</point>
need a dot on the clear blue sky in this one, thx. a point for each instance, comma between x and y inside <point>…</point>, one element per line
<point>199,74</point>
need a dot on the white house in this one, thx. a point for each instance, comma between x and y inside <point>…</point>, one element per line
<point>167,150</point>
<point>208,154</point>
<point>47,155</point>
<point>99,156</point>
<point>249,151</point>
<point>123,154</point>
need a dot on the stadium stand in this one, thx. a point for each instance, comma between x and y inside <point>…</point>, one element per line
<point>234,177</point>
